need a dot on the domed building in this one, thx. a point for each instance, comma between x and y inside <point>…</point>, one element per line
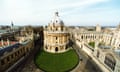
<point>56,37</point>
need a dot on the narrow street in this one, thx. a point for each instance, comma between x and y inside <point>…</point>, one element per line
<point>86,64</point>
<point>28,65</point>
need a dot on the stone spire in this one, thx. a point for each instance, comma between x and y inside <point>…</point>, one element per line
<point>56,14</point>
<point>12,23</point>
<point>12,26</point>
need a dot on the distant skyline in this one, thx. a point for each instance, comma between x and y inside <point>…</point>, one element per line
<point>72,12</point>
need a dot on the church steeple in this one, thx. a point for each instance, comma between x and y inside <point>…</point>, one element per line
<point>12,26</point>
<point>12,23</point>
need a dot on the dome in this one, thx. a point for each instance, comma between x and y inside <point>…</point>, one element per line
<point>56,20</point>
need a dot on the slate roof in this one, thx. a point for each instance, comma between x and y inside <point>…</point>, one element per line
<point>9,48</point>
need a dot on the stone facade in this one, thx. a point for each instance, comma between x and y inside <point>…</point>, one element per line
<point>108,58</point>
<point>12,54</point>
<point>98,28</point>
<point>111,38</point>
<point>107,46</point>
<point>56,37</point>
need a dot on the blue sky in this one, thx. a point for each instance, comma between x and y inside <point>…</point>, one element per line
<point>72,12</point>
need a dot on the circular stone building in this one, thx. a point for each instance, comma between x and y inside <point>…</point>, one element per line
<point>56,38</point>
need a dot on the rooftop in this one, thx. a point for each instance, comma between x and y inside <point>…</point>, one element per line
<point>9,48</point>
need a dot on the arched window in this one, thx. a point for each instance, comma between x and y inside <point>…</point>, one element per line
<point>82,37</point>
<point>56,29</point>
<point>56,38</point>
<point>98,53</point>
<point>110,61</point>
<point>46,47</point>
<point>86,37</point>
<point>62,28</point>
<point>56,49</point>
<point>8,59</point>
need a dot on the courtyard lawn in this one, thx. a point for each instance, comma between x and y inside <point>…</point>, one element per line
<point>56,62</point>
<point>92,44</point>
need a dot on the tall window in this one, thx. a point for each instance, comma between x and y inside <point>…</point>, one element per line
<point>56,38</point>
<point>56,29</point>
<point>8,59</point>
<point>82,37</point>
<point>98,53</point>
<point>12,56</point>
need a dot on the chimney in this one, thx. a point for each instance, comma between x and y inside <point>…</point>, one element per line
<point>8,42</point>
<point>2,42</point>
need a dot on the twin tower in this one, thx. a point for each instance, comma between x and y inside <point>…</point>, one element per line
<point>56,37</point>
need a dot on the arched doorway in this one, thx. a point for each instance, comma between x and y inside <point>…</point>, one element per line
<point>110,61</point>
<point>98,53</point>
<point>56,49</point>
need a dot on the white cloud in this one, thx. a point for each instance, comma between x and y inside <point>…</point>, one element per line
<point>40,11</point>
<point>81,3</point>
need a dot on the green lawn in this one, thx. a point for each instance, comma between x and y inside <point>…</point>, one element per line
<point>56,62</point>
<point>92,44</point>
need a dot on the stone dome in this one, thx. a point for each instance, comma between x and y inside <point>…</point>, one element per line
<point>56,21</point>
